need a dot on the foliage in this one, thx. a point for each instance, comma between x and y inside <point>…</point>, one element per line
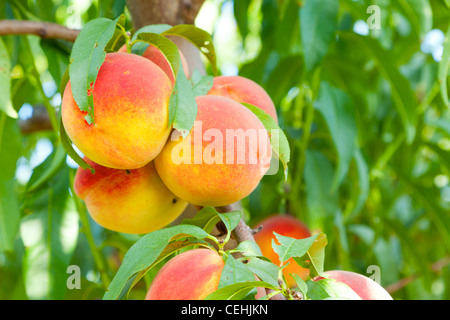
<point>365,113</point>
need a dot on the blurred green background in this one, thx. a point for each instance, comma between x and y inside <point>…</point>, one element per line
<point>361,93</point>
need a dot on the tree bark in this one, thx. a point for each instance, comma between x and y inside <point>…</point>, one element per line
<point>173,12</point>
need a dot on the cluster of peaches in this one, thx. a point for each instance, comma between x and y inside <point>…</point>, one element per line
<point>140,186</point>
<point>139,183</point>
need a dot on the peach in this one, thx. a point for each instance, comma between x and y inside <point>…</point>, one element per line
<point>131,97</point>
<point>365,287</point>
<point>287,226</point>
<point>222,159</point>
<point>244,90</point>
<point>130,201</point>
<point>153,54</point>
<point>191,275</point>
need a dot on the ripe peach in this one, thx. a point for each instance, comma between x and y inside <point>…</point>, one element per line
<point>244,90</point>
<point>287,226</point>
<point>365,287</point>
<point>191,275</point>
<point>153,54</point>
<point>223,158</point>
<point>131,97</point>
<point>129,201</point>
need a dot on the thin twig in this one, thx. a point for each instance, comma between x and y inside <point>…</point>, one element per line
<point>38,28</point>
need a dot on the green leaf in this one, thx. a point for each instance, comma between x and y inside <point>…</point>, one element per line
<point>145,252</point>
<point>363,181</point>
<point>167,47</point>
<point>420,14</point>
<point>118,39</point>
<point>154,28</point>
<point>402,93</point>
<point>9,215</point>
<point>5,82</point>
<point>208,217</point>
<point>237,291</point>
<point>201,84</point>
<point>249,249</point>
<point>49,168</point>
<point>57,61</point>
<point>50,236</point>
<point>341,239</point>
<point>301,286</point>
<point>240,9</point>
<point>290,247</point>
<point>330,288</point>
<point>442,124</point>
<point>320,201</point>
<point>284,77</point>
<point>419,259</point>
<point>88,54</point>
<point>231,219</point>
<point>64,80</point>
<point>264,270</point>
<point>278,140</point>
<point>235,271</point>
<point>444,66</point>
<point>111,8</point>
<point>10,146</point>
<point>388,257</point>
<point>435,212</point>
<point>10,150</point>
<point>198,37</point>
<point>338,112</point>
<point>182,105</point>
<point>314,258</point>
<point>318,23</point>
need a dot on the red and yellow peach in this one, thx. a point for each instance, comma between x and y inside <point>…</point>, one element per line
<point>222,159</point>
<point>130,201</point>
<point>131,97</point>
<point>191,275</point>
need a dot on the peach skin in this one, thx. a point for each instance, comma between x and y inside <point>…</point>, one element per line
<point>222,159</point>
<point>131,97</point>
<point>191,275</point>
<point>244,90</point>
<point>129,201</point>
<point>365,287</point>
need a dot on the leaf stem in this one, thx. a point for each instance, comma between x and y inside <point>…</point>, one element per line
<point>126,36</point>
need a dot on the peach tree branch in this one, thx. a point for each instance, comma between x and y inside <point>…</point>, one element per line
<point>42,29</point>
